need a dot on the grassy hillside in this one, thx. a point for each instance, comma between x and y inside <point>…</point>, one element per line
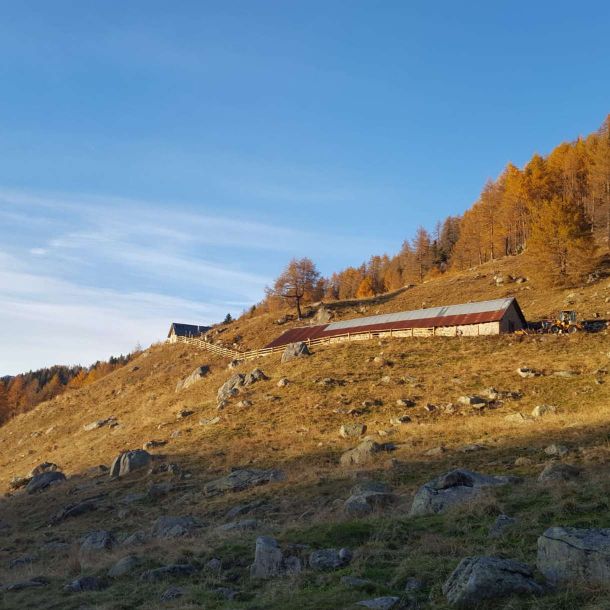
<point>295,428</point>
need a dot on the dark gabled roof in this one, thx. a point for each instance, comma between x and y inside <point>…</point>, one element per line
<point>450,315</point>
<point>187,330</point>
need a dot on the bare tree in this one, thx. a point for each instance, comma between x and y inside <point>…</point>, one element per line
<point>300,281</point>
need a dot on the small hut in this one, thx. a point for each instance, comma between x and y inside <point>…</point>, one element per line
<point>185,330</point>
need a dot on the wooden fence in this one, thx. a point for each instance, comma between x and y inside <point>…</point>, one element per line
<point>364,335</point>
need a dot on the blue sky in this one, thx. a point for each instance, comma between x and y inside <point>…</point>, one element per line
<point>163,161</point>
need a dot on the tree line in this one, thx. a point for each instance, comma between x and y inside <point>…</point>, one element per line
<point>555,211</point>
<point>23,392</point>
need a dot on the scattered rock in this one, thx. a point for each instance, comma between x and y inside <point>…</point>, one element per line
<point>405,402</point>
<point>361,454</point>
<point>44,467</point>
<point>241,479</point>
<point>380,603</point>
<point>209,421</point>
<point>518,418</point>
<point>523,461</point>
<point>153,444</point>
<point>542,410</point>
<point>501,525</point>
<point>20,562</point>
<point>184,413</point>
<point>96,542</point>
<point>32,583</point>
<point>172,593</point>
<point>269,561</point>
<point>357,583</point>
<point>283,382</point>
<point>19,482</point>
<point>452,489</point>
<point>129,461</point>
<point>368,497</point>
<point>230,387</point>
<point>471,448</point>
<point>380,361</point>
<point>571,556</point>
<point>435,451</point>
<point>556,450</point>
<point>254,376</point>
<point>325,560</point>
<point>101,423</point>
<point>197,375</point>
<point>484,578</point>
<point>137,538</point>
<point>244,525</point>
<point>557,471</point>
<point>375,402</point>
<point>124,566</point>
<point>174,527</point>
<point>352,430</point>
<point>295,350</point>
<point>169,571</point>
<point>44,480</point>
<point>74,510</point>
<point>400,420</point>
<point>472,401</point>
<point>159,490</point>
<point>528,373</point>
<point>86,583</point>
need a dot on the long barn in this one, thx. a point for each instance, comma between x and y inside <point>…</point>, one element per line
<point>470,319</point>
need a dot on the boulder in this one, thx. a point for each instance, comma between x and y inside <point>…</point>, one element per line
<point>197,375</point>
<point>86,583</point>
<point>388,602</point>
<point>501,525</point>
<point>96,542</point>
<point>295,350</point>
<point>542,410</point>
<point>44,467</point>
<point>269,560</point>
<point>128,461</point>
<point>174,527</point>
<point>241,479</point>
<point>169,571</point>
<point>527,373</point>
<point>45,480</point>
<point>230,387</point>
<point>478,579</point>
<point>254,376</point>
<point>451,489</point>
<point>352,430</point>
<point>124,566</point>
<point>571,556</point>
<point>325,560</point>
<point>361,454</point>
<point>559,472</point>
<point>367,497</point>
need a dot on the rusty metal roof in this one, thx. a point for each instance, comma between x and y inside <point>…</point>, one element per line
<point>450,315</point>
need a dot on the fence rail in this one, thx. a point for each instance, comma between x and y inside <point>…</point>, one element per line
<point>364,335</point>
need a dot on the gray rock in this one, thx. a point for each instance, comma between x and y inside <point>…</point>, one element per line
<point>556,450</point>
<point>283,382</point>
<point>214,565</point>
<point>137,538</point>
<point>159,490</point>
<point>352,430</point>
<point>325,560</point>
<point>472,400</point>
<point>44,480</point>
<point>542,410</point>
<point>230,387</point>
<point>405,402</point>
<point>129,461</point>
<point>101,423</point>
<point>19,482</point>
<point>518,418</point>
<point>174,570</point>
<point>364,503</point>
<point>244,404</point>
<point>570,556</point>
<point>225,593</point>
<point>197,375</point>
<point>32,583</point>
<point>20,562</point>
<point>86,583</point>
<point>501,525</point>
<point>400,420</point>
<point>354,582</point>
<point>269,561</point>
<point>97,541</point>
<point>559,472</point>
<point>387,602</point>
<point>172,593</point>
<point>239,526</point>
<point>153,444</point>
<point>452,489</point>
<point>528,373</point>
<point>124,566</point>
<point>295,350</point>
<point>241,479</point>
<point>73,510</point>
<point>254,376</point>
<point>174,527</point>
<point>477,579</point>
<point>209,421</point>
<point>361,454</point>
<point>43,467</point>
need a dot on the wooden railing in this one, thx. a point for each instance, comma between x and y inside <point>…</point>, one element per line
<point>364,335</point>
